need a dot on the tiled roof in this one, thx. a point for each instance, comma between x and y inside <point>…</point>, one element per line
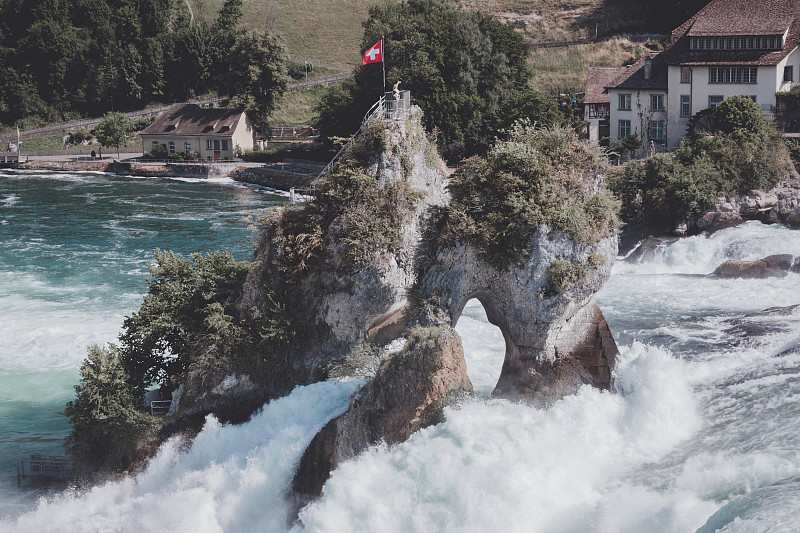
<point>191,119</point>
<point>596,82</point>
<point>737,17</point>
<point>633,77</point>
<point>745,17</point>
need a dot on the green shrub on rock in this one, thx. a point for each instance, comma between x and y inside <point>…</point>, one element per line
<point>744,152</point>
<point>106,425</point>
<point>536,176</point>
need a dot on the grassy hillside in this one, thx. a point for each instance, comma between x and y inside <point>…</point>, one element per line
<point>559,70</point>
<point>327,32</point>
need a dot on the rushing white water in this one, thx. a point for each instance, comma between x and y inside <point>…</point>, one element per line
<point>701,434</point>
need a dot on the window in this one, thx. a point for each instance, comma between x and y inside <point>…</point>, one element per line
<point>624,128</point>
<point>172,147</point>
<point>155,144</point>
<point>208,144</point>
<point>732,74</point>
<point>187,147</point>
<point>625,102</point>
<point>714,101</point>
<point>686,106</point>
<point>224,144</point>
<point>657,102</point>
<point>657,130</point>
<point>216,144</point>
<point>788,73</point>
<point>686,74</point>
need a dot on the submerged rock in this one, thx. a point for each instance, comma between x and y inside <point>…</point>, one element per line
<point>646,251</point>
<point>773,266</point>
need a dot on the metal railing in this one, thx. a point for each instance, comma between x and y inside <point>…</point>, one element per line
<point>51,466</point>
<point>160,407</point>
<point>182,161</point>
<point>376,109</point>
<point>397,105</point>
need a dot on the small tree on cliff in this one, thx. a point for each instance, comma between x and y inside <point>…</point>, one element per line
<point>114,130</point>
<point>106,425</point>
<point>189,307</point>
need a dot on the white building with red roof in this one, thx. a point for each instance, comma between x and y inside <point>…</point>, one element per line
<point>730,47</point>
<point>212,134</point>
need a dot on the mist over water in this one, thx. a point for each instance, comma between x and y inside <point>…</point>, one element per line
<point>701,433</point>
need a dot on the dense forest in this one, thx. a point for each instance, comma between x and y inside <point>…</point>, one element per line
<point>62,58</point>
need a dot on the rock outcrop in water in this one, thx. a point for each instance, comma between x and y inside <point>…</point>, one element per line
<point>773,266</point>
<point>337,275</point>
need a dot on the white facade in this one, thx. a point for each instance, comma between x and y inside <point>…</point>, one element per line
<point>730,48</point>
<point>640,112</point>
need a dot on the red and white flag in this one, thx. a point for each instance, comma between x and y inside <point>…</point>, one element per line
<point>374,54</point>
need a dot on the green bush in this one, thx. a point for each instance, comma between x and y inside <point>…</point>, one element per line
<point>106,424</point>
<point>268,155</point>
<point>537,176</point>
<point>564,274</point>
<point>745,152</point>
<point>79,136</point>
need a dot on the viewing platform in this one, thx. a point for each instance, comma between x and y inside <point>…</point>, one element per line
<point>12,159</point>
<point>45,466</point>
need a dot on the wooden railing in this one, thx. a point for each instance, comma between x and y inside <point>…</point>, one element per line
<point>48,466</point>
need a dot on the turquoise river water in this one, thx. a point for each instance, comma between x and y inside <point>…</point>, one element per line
<point>702,431</point>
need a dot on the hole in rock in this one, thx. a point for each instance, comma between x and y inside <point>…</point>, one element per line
<point>484,348</point>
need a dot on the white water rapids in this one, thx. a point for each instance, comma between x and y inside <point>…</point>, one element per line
<point>703,432</point>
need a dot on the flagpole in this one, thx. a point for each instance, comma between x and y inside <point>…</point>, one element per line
<point>383,65</point>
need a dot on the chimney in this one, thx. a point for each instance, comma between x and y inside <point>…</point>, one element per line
<point>648,66</point>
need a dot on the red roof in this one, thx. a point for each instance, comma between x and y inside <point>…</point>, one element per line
<point>732,18</point>
<point>745,17</point>
<point>633,77</point>
<point>191,119</point>
<point>596,82</point>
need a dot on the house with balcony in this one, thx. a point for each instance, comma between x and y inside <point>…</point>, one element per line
<point>730,47</point>
<point>212,134</point>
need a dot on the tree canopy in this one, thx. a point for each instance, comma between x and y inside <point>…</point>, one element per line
<point>114,130</point>
<point>743,152</point>
<point>64,58</point>
<point>189,303</point>
<point>466,70</point>
<point>106,425</point>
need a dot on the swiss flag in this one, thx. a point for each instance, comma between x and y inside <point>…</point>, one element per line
<point>374,54</point>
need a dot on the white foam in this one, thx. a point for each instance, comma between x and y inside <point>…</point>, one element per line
<point>232,478</point>
<point>500,466</point>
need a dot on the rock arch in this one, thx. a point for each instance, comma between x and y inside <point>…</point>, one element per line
<point>556,340</point>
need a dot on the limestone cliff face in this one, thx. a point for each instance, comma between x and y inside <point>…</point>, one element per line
<point>408,394</point>
<point>556,337</point>
<point>544,328</point>
<point>352,305</point>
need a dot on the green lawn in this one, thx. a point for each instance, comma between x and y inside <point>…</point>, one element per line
<point>297,106</point>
